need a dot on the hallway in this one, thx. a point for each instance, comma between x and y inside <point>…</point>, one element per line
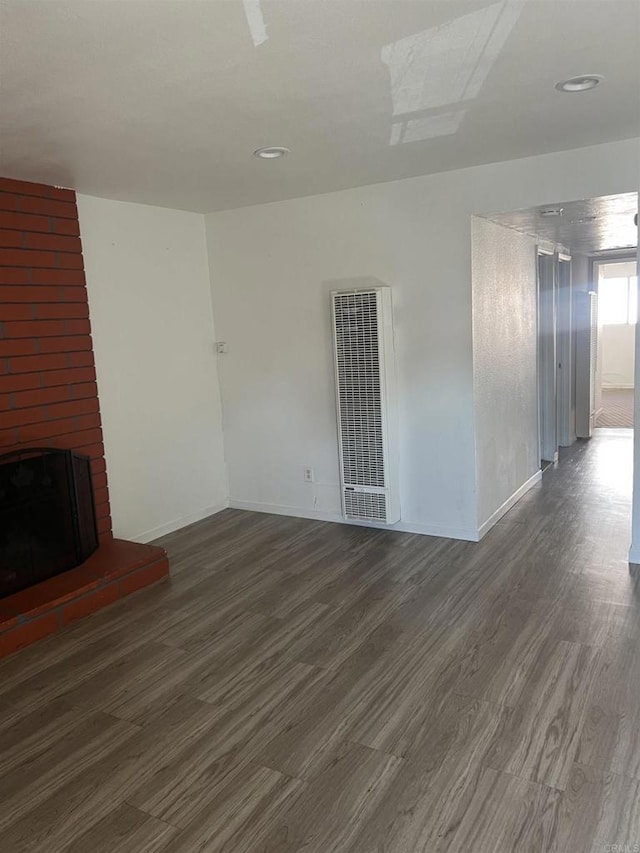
<point>306,686</point>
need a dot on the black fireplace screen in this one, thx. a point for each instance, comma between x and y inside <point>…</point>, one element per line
<point>47,515</point>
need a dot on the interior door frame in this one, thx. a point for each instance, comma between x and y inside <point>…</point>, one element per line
<point>620,256</point>
<point>565,411</point>
<point>546,265</point>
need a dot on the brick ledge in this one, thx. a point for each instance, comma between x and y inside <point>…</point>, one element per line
<point>114,571</point>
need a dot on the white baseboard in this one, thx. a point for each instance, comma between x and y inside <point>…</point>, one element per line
<point>178,523</point>
<point>634,555</point>
<point>468,535</point>
<point>506,506</point>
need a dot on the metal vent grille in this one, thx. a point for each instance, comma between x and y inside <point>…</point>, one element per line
<point>368,506</point>
<point>359,396</point>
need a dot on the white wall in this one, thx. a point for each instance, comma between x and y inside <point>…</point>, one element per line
<point>582,283</point>
<point>272,267</point>
<point>617,351</point>
<point>152,325</point>
<point>617,342</point>
<point>634,550</point>
<point>504,365</point>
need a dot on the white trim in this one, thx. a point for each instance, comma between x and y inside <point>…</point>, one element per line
<point>620,431</point>
<point>546,248</point>
<point>468,535</point>
<point>510,502</point>
<point>178,523</point>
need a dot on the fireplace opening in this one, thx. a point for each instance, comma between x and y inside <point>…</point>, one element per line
<point>47,515</point>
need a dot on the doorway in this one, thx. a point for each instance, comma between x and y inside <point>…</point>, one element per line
<point>583,373</point>
<point>616,282</point>
<point>556,411</point>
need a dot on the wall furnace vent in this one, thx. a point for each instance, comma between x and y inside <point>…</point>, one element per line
<point>366,404</point>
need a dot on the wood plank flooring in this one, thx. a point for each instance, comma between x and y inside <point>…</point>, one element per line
<point>304,686</point>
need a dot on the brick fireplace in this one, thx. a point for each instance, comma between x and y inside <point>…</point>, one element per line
<point>49,397</point>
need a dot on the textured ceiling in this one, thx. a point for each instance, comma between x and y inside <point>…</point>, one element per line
<point>163,101</point>
<point>591,226</point>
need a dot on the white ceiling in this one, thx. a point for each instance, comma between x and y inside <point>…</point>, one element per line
<point>163,101</point>
<point>589,227</point>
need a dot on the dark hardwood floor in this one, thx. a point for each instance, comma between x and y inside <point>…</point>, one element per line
<point>303,686</point>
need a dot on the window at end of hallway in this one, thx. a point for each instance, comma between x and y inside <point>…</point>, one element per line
<point>618,300</point>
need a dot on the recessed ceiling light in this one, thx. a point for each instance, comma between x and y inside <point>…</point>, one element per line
<point>272,153</point>
<point>552,211</point>
<point>579,84</point>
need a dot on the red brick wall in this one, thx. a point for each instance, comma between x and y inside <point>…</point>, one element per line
<point>48,392</point>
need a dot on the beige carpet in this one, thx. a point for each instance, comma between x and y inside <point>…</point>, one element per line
<point>617,408</point>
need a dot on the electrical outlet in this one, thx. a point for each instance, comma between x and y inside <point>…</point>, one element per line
<point>221,347</point>
<point>308,475</point>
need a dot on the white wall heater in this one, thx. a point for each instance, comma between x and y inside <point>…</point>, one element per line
<point>366,404</point>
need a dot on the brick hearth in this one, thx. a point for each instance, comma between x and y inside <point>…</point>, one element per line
<point>115,570</point>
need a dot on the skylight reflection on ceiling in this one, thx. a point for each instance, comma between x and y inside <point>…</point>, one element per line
<point>255,20</point>
<point>439,68</point>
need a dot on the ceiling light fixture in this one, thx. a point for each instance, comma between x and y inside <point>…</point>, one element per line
<point>582,220</point>
<point>583,83</point>
<point>552,211</point>
<point>271,153</point>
